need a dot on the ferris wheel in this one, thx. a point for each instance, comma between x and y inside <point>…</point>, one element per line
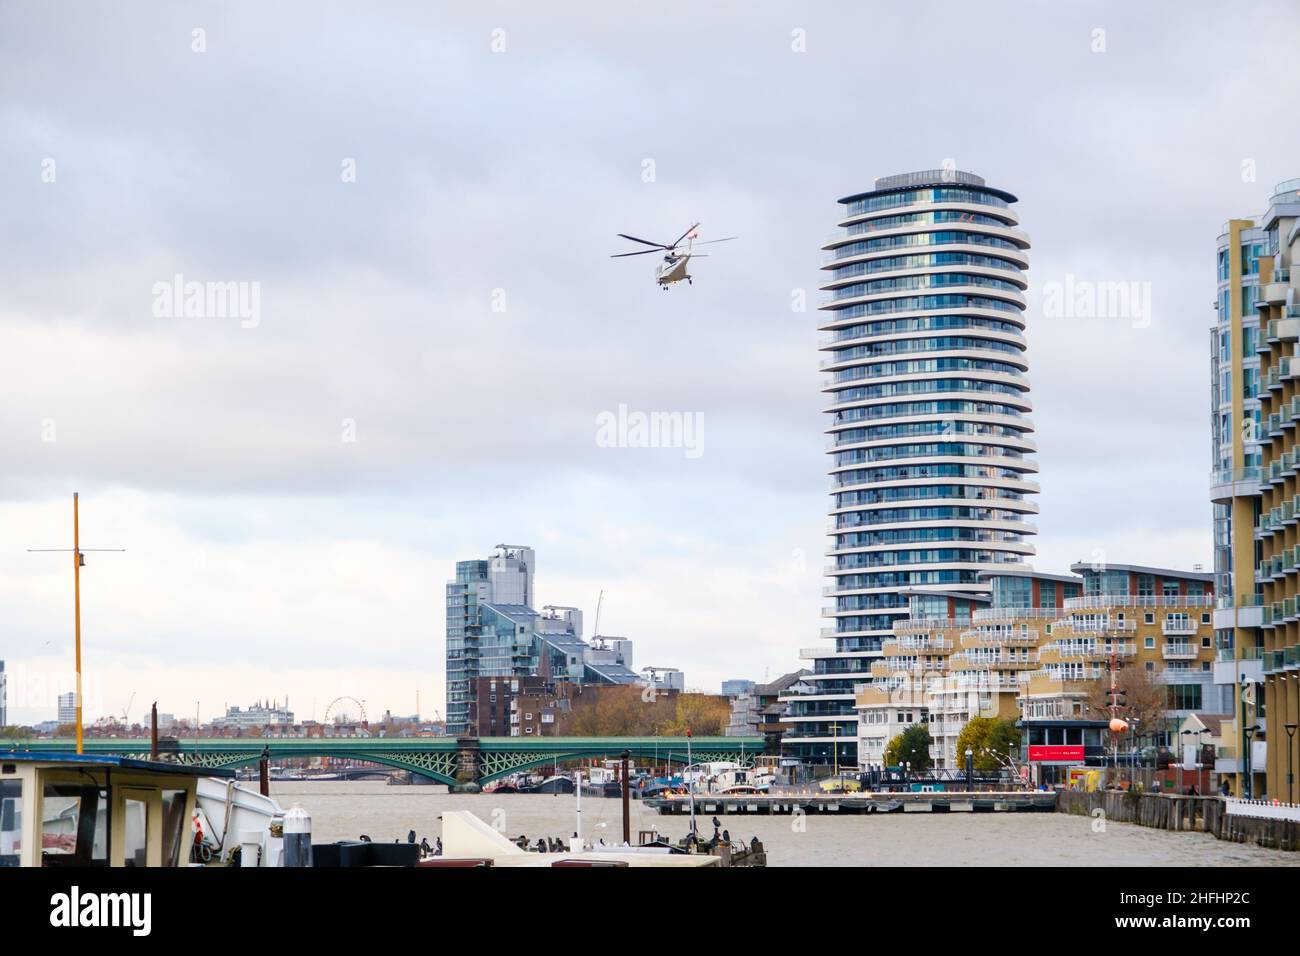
<point>344,699</point>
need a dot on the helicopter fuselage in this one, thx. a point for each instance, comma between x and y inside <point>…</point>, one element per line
<point>673,269</point>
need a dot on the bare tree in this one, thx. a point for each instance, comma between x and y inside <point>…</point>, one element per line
<point>1142,699</point>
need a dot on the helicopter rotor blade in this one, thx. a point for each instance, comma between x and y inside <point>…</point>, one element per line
<point>644,242</point>
<point>684,235</point>
<point>707,241</point>
<point>639,252</point>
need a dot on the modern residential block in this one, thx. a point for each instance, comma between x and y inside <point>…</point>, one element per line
<point>1041,651</point>
<point>493,632</point>
<point>928,423</point>
<point>1256,490</point>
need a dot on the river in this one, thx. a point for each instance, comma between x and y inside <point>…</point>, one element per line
<point>345,810</point>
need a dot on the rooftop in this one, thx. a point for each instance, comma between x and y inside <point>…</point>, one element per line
<point>111,761</point>
<point>1082,567</point>
<point>902,182</point>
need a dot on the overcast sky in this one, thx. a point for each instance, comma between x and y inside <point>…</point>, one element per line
<point>426,199</point>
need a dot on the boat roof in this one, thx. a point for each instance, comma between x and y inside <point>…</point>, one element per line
<point>113,761</point>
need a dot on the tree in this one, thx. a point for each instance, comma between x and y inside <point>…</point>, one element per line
<point>1141,699</point>
<point>611,712</point>
<point>704,715</point>
<point>992,741</point>
<point>974,736</point>
<point>911,746</point>
<point>1002,745</point>
<point>629,711</point>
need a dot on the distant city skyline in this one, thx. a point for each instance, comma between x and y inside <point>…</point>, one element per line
<point>407,333</point>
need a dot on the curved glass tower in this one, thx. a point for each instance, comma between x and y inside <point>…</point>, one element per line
<point>929,422</point>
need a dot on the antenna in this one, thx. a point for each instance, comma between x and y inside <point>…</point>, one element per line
<point>596,630</point>
<point>78,562</point>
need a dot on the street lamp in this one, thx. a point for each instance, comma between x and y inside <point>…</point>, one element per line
<point>970,770</point>
<point>1290,746</point>
<point>1132,746</point>
<point>1246,683</point>
<point>1249,733</point>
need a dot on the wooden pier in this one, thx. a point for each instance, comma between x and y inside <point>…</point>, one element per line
<point>1010,801</point>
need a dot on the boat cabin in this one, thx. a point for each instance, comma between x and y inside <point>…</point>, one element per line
<point>85,810</point>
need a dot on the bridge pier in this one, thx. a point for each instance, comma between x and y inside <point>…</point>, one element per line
<point>467,770</point>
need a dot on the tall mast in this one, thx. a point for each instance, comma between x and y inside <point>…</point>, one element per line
<point>78,559</point>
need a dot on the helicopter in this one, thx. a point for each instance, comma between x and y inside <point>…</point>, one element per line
<point>673,268</point>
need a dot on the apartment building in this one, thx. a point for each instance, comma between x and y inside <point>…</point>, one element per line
<point>1038,651</point>
<point>928,418</point>
<point>1257,493</point>
<point>946,670</point>
<point>1261,308</point>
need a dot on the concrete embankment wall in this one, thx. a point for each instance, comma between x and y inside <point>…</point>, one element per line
<point>1206,814</point>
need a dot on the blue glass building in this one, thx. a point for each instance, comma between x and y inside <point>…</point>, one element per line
<point>928,422</point>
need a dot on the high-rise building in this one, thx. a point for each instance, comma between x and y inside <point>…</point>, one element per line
<point>4,697</point>
<point>506,577</point>
<point>494,632</point>
<point>928,406</point>
<point>68,707</point>
<point>1255,407</point>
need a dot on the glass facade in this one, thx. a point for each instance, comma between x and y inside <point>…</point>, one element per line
<point>463,628</point>
<point>929,423</point>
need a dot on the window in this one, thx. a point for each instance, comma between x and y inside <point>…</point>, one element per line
<point>1149,642</point>
<point>1205,618</point>
<point>11,822</point>
<point>1148,618</point>
<point>1184,697</point>
<point>75,826</point>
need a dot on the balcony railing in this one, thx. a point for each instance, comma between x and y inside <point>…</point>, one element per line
<point>920,625</point>
<point>1089,625</point>
<point>913,643</point>
<point>1175,651</point>
<point>989,637</point>
<point>1093,648</point>
<point>974,658</point>
<point>1016,613</point>
<point>990,684</point>
<point>1179,625</point>
<point>1238,600</point>
<point>1137,600</point>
